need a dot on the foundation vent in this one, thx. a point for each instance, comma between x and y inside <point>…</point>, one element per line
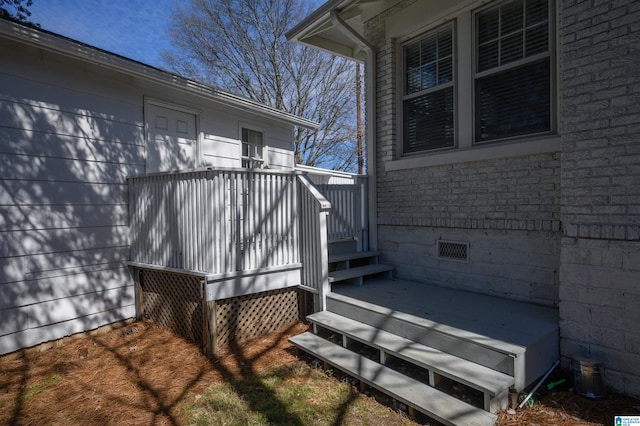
<point>453,250</point>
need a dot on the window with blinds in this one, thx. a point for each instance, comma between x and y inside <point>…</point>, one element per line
<point>486,75</point>
<point>513,70</point>
<point>428,100</point>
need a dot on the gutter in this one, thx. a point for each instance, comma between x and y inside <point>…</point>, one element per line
<point>370,102</point>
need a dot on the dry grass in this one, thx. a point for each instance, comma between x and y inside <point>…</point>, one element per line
<point>143,374</point>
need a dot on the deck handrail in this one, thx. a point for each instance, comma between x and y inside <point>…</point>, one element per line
<point>314,207</point>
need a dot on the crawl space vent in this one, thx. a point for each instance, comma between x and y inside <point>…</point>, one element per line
<point>453,250</point>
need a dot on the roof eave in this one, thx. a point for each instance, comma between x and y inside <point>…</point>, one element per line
<point>314,29</point>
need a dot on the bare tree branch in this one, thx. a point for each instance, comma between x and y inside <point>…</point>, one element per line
<point>239,46</point>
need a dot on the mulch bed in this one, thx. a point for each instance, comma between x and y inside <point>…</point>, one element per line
<point>141,373</point>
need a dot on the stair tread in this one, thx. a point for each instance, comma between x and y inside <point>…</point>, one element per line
<point>422,397</point>
<point>466,372</point>
<point>352,256</point>
<point>360,271</point>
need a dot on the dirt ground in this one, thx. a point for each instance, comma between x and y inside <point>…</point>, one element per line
<point>141,374</point>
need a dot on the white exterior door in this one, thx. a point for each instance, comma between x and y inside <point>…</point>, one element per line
<point>171,139</point>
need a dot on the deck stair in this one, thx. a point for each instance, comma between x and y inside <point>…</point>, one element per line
<point>346,264</point>
<point>454,374</point>
<point>411,392</point>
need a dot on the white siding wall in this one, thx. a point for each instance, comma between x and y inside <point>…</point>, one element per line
<point>220,140</point>
<point>66,146</point>
<point>70,133</point>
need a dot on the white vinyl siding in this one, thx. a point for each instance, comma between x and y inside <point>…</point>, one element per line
<point>69,140</point>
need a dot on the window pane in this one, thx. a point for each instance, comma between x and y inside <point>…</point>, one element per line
<point>511,18</point>
<point>488,56</point>
<point>429,76</point>
<point>537,12</point>
<point>429,49</point>
<point>412,55</point>
<point>513,103</point>
<point>252,147</point>
<point>414,81</point>
<point>511,48</point>
<point>428,121</point>
<point>445,43</point>
<point>511,31</point>
<point>488,25</point>
<point>428,115</point>
<point>445,71</point>
<point>537,40</point>
<point>429,62</point>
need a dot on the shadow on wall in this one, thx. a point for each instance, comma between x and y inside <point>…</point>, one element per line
<point>63,213</point>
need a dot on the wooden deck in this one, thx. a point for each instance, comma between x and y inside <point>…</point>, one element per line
<point>499,319</point>
<point>488,345</point>
<point>526,330</point>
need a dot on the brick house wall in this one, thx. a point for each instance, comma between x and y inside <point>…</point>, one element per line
<point>507,209</point>
<point>600,186</point>
<point>558,228</point>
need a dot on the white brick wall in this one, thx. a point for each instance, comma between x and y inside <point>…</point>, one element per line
<point>505,206</point>
<point>519,193</point>
<point>600,254</point>
<point>521,265</point>
<point>599,300</point>
<point>583,203</point>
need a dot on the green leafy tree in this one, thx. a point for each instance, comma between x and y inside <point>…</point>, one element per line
<point>240,46</point>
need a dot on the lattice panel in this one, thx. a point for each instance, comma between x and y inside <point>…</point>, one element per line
<point>244,317</point>
<point>174,301</point>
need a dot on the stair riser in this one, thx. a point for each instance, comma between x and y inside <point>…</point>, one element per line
<point>426,336</point>
<point>342,247</point>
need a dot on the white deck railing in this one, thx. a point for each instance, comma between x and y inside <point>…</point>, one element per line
<point>225,221</point>
<point>348,217</point>
<point>347,193</point>
<point>214,221</point>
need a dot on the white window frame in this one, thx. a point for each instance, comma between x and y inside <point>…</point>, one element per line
<point>465,149</point>
<point>253,162</point>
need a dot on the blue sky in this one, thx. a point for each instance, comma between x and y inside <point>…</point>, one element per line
<point>136,29</point>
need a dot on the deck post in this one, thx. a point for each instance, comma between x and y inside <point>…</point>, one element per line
<point>324,286</point>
